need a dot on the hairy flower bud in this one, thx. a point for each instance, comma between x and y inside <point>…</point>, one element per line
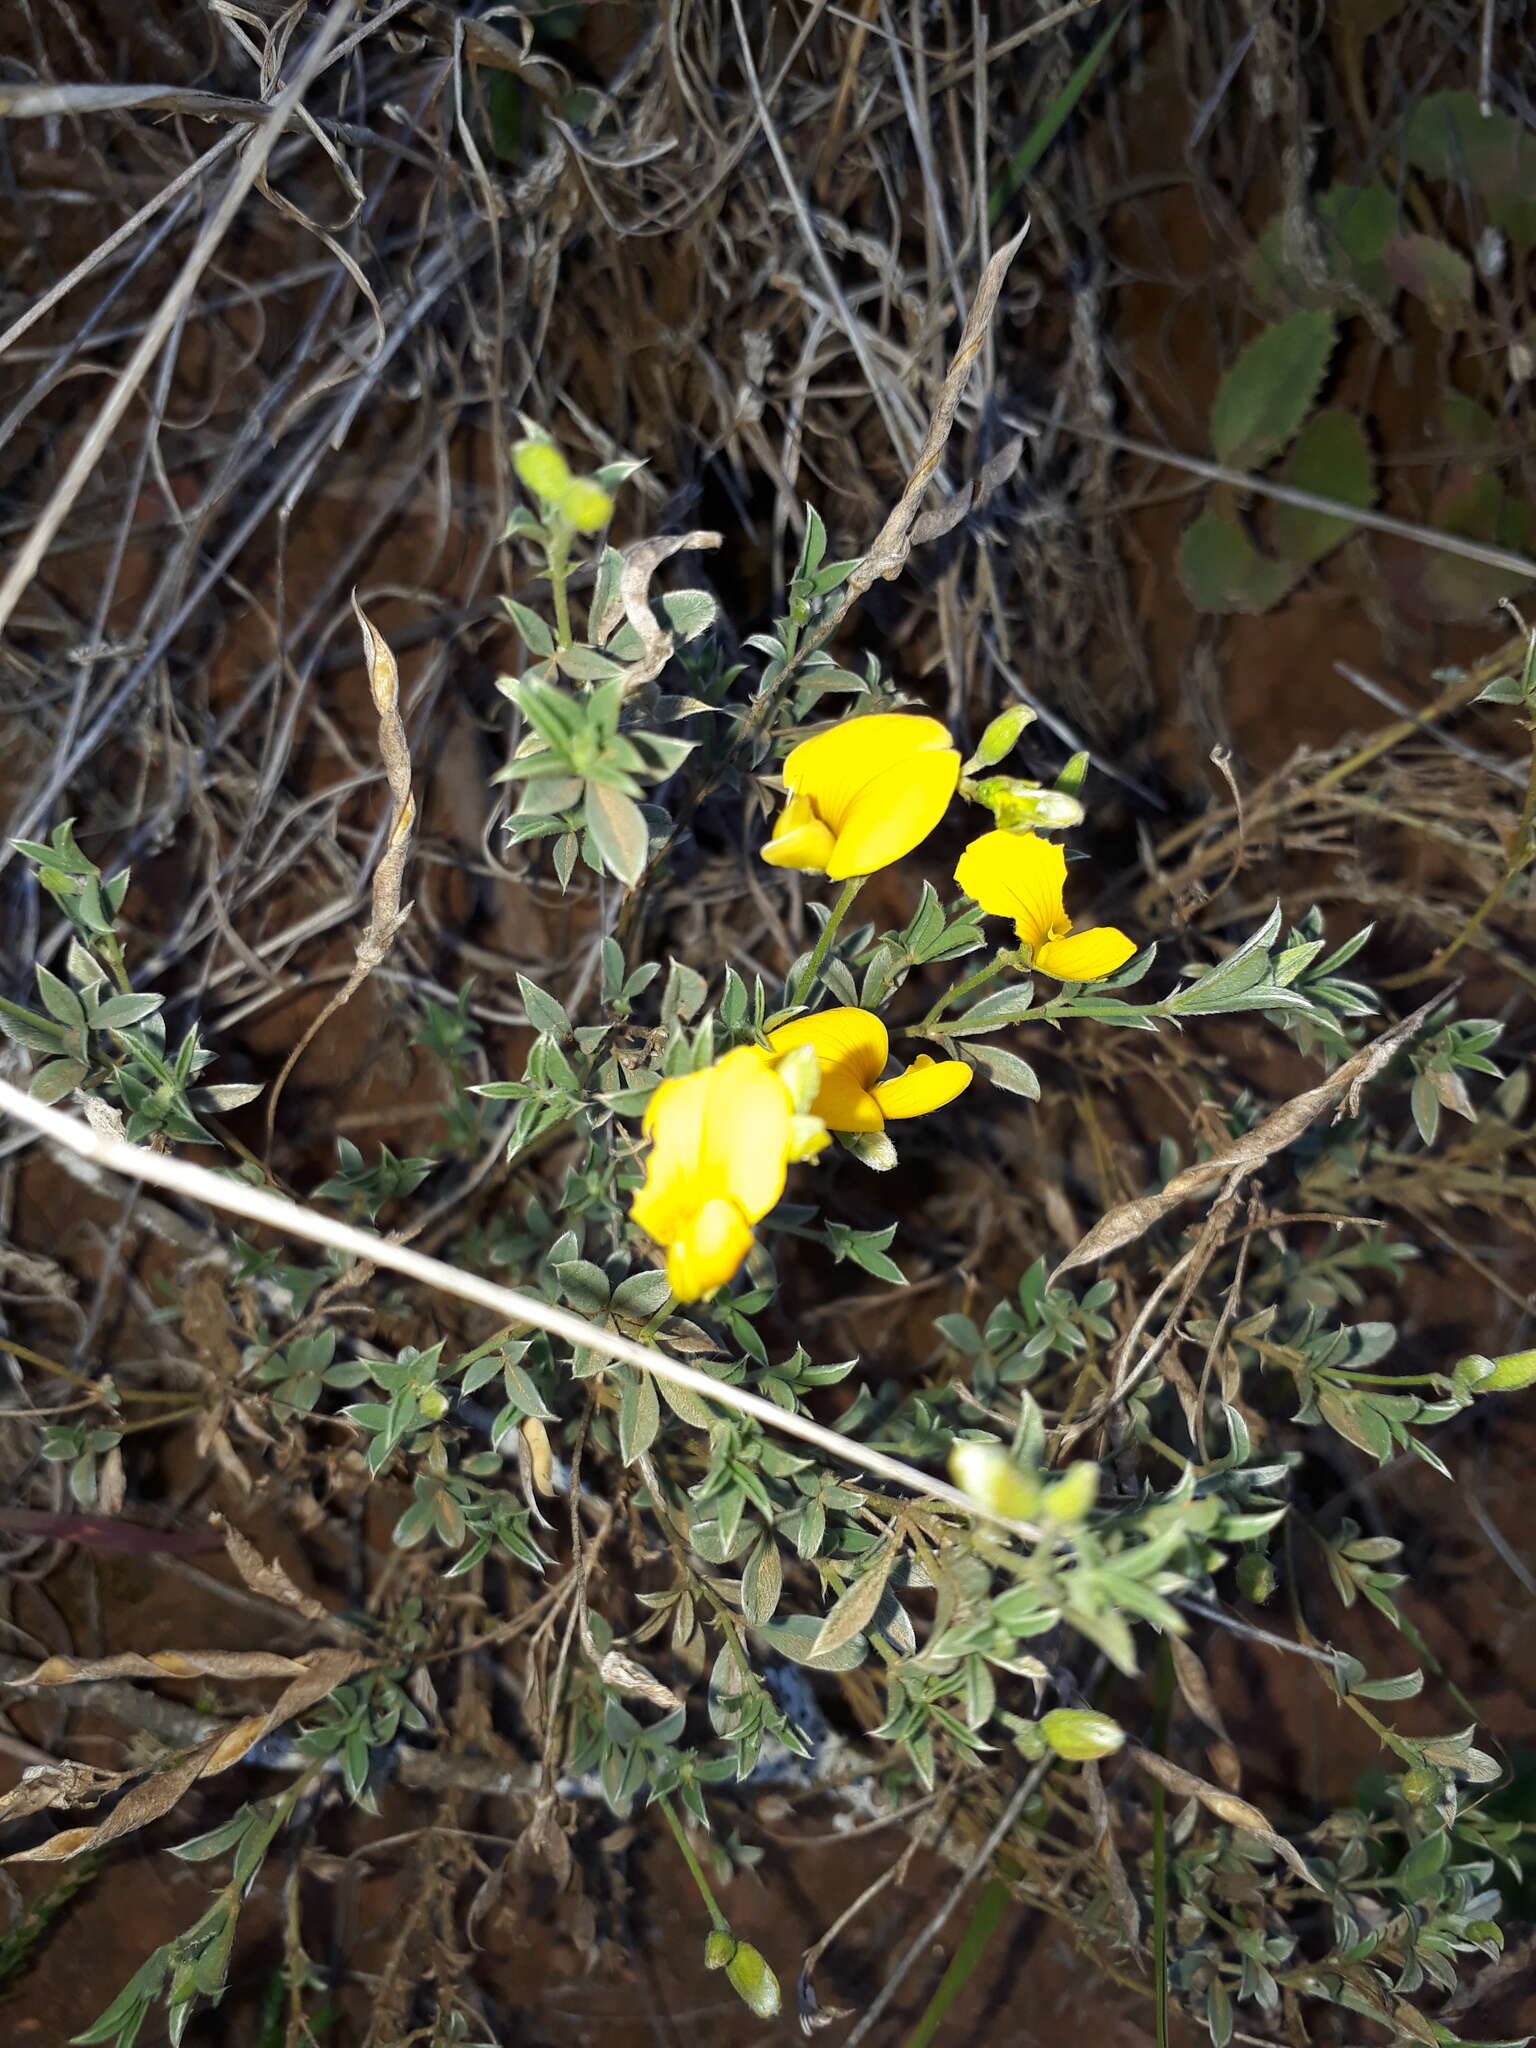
<point>1079,1735</point>
<point>1020,806</point>
<point>1000,737</point>
<point>586,504</point>
<point>541,466</point>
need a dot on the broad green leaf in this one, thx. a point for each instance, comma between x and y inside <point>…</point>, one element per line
<point>1435,273</point>
<point>1331,458</point>
<point>1223,571</point>
<point>639,1416</point>
<point>795,1638</point>
<point>1449,136</point>
<point>1268,392</point>
<point>537,637</point>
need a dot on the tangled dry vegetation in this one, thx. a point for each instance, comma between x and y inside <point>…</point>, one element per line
<point>285,284</point>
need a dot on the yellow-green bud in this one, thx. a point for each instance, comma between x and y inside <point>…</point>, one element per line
<point>1511,1374</point>
<point>1420,1784</point>
<point>586,504</point>
<point>990,1477</point>
<point>1074,775</point>
<point>1000,737</point>
<point>753,1981</point>
<point>1020,806</point>
<point>433,1404</point>
<point>1256,1577</point>
<point>1073,1494</point>
<point>1080,1735</point>
<point>719,1947</point>
<point>541,466</point>
<point>800,1071</point>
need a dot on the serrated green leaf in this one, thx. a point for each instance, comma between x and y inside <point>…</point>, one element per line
<point>1263,399</point>
<point>1331,458</point>
<point>1436,274</point>
<point>1222,571</point>
<point>1447,135</point>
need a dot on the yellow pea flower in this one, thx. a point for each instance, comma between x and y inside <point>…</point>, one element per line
<point>863,793</point>
<point>721,1141</point>
<point>852,1048</point>
<point>1022,876</point>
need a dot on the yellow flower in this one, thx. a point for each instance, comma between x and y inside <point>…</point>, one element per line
<point>852,1048</point>
<point>862,794</point>
<point>1022,876</point>
<point>720,1144</point>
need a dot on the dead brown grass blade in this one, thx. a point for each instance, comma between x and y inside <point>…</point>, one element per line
<point>1227,1806</point>
<point>1245,1155</point>
<point>387,914</point>
<point>317,1676</point>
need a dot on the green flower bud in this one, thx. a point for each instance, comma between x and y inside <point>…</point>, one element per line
<point>586,504</point>
<point>1420,1784</point>
<point>1079,1735</point>
<point>1073,1494</point>
<point>541,466</point>
<point>1511,1374</point>
<point>719,1947</point>
<point>753,1981</point>
<point>871,1148</point>
<point>1073,776</point>
<point>433,1404</point>
<point>1256,1577</point>
<point>1000,737</point>
<point>990,1477</point>
<point>1020,806</point>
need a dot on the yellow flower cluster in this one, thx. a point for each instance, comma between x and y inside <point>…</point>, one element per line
<point>722,1140</point>
<point>860,796</point>
<point>579,499</point>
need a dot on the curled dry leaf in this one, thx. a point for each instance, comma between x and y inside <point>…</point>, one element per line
<point>624,1675</point>
<point>318,1675</point>
<point>56,1784</point>
<point>1227,1806</point>
<point>166,1664</point>
<point>1246,1154</point>
<point>270,1580</point>
<point>640,564</point>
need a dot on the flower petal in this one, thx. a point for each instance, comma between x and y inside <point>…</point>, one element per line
<point>926,1085</point>
<point>746,1139</point>
<point>1017,875</point>
<point>800,839</point>
<point>1085,956</point>
<point>674,1122</point>
<point>833,766</point>
<point>717,1240</point>
<point>851,1048</point>
<point>894,811</point>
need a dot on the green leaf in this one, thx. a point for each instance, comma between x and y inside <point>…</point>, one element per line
<point>1331,458</point>
<point>1006,1070</point>
<point>1437,274</point>
<point>855,1608</point>
<point>1046,129</point>
<point>543,1012</point>
<point>795,1638</point>
<point>762,1581</point>
<point>118,1012</point>
<point>1006,1006</point>
<point>53,1081</point>
<point>639,1416</point>
<point>60,1000</point>
<point>618,832</point>
<point>1354,225</point>
<point>1268,392</point>
<point>689,612</point>
<point>1222,571</point>
<point>1447,135</point>
<point>586,665</point>
<point>536,635</point>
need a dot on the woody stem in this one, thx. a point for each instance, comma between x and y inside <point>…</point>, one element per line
<point>803,984</point>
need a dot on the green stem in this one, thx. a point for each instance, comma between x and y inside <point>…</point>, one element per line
<point>557,555</point>
<point>717,1918</point>
<point>994,967</point>
<point>656,1321</point>
<point>803,985</point>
